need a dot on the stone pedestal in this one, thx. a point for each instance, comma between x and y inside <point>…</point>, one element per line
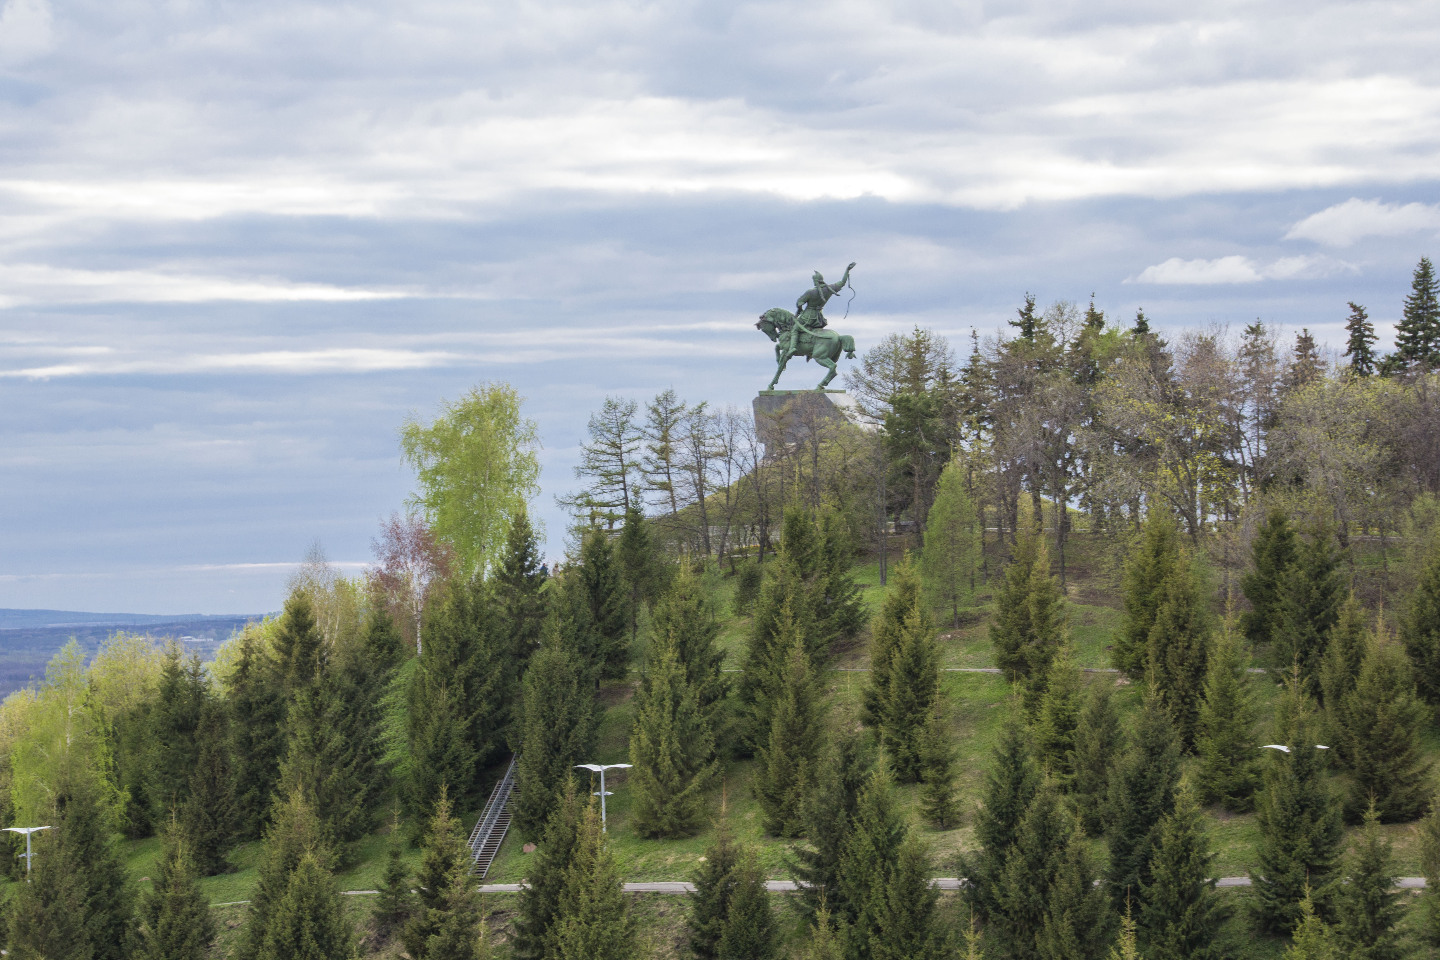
<point>791,416</point>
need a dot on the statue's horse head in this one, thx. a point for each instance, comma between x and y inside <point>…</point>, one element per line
<point>774,322</point>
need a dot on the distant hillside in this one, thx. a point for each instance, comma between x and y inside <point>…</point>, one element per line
<point>29,638</point>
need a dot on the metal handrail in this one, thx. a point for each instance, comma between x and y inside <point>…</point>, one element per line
<point>498,798</point>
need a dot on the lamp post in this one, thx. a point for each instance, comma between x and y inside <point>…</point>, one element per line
<point>600,768</point>
<point>27,831</point>
<point>1284,749</point>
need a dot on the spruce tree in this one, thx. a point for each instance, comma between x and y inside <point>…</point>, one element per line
<point>298,644</point>
<point>1417,337</point>
<point>938,796</point>
<point>1147,569</point>
<point>441,750</point>
<point>1229,768</point>
<point>1078,919</point>
<point>914,690</point>
<point>1142,792</point>
<point>825,941</point>
<point>293,835</point>
<point>1368,905</point>
<point>395,904</point>
<point>558,726</point>
<point>593,919</point>
<point>208,814</point>
<point>906,925</point>
<point>1028,881</point>
<point>175,920</point>
<point>1305,367</point>
<point>641,571</point>
<point>354,694</point>
<point>307,922</point>
<point>685,615</point>
<point>1058,718</point>
<point>788,759</point>
<point>180,702</point>
<point>749,932</point>
<point>1428,922</point>
<point>1360,346</point>
<point>872,852</point>
<point>1010,786</point>
<point>1180,914</point>
<point>1420,628</point>
<point>447,908</point>
<point>834,596</point>
<point>540,899</point>
<point>1127,946</point>
<point>710,900</point>
<point>317,763</point>
<point>885,635</point>
<point>830,813</point>
<point>462,934</point>
<point>1029,624</point>
<point>952,545</point>
<point>672,748</point>
<point>1299,819</point>
<point>1380,738</point>
<point>518,583</point>
<point>1274,551</point>
<point>1178,649</point>
<point>1310,594</point>
<point>1344,656</point>
<point>1098,745</point>
<point>1313,940</point>
<point>601,586</point>
<point>256,706</point>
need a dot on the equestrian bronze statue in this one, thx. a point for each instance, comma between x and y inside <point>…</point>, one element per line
<point>803,333</point>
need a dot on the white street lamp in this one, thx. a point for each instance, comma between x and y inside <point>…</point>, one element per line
<point>600,768</point>
<point>27,854</point>
<point>1284,749</point>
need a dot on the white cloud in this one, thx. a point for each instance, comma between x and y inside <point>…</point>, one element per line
<point>38,283</point>
<point>25,30</point>
<point>1355,219</point>
<point>1237,269</point>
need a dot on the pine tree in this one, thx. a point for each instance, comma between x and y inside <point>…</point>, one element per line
<point>1058,718</point>
<point>1380,738</point>
<point>1180,914</point>
<point>441,750</point>
<point>938,797</point>
<point>830,813</point>
<point>558,726</point>
<point>175,916</point>
<point>601,586</point>
<point>952,545</point>
<point>749,932</point>
<point>1417,337</point>
<point>1344,656</point>
<point>1078,919</point>
<point>540,899</point>
<point>1275,550</point>
<point>1029,624</point>
<point>293,835</point>
<point>1360,347</point>
<point>641,570</point>
<point>307,922</point>
<point>1010,786</point>
<point>1299,820</point>
<point>1229,769</point>
<point>1178,649</point>
<point>1032,869</point>
<point>447,909</point>
<point>788,759</point>
<point>871,854</point>
<point>710,901</point>
<point>885,635</point>
<point>914,690</point>
<point>208,815</point>
<point>1142,792</point>
<point>906,923</point>
<point>395,904</point>
<point>1097,747</point>
<point>593,921</point>
<point>672,748</point>
<point>256,708</point>
<point>518,583</point>
<point>1313,940</point>
<point>1420,628</point>
<point>1368,905</point>
<point>1147,569</point>
<point>1308,601</point>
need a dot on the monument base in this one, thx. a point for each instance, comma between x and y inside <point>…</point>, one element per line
<point>790,416</point>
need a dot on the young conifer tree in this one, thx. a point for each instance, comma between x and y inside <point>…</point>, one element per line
<point>1417,336</point>
<point>355,706</point>
<point>907,922</point>
<point>1127,944</point>
<point>1180,913</point>
<point>294,834</point>
<point>1078,921</point>
<point>1142,792</point>
<point>1428,922</point>
<point>208,815</point>
<point>446,858</point>
<point>1147,569</point>
<point>788,759</point>
<point>710,900</point>
<point>1368,905</point>
<point>180,702</point>
<point>1344,656</point>
<point>1058,719</point>
<point>767,653</point>
<point>685,614</point>
<point>1098,744</point>
<point>1310,594</point>
<point>1028,881</point>
<point>885,636</point>
<point>299,646</point>
<point>1380,738</point>
<point>1313,940</point>
<point>872,852</point>
<point>642,571</point>
<point>1029,625</point>
<point>175,920</point>
<point>1010,786</point>
<point>1274,551</point>
<point>307,922</point>
<point>672,748</point>
<point>914,691</point>
<point>592,921</point>
<point>750,932</point>
<point>825,942</point>
<point>395,904</point>
<point>830,813</point>
<point>517,589</point>
<point>1178,648</point>
<point>602,588</point>
<point>540,900</point>
<point>1420,628</point>
<point>316,764</point>
<point>256,707</point>
<point>938,797</point>
<point>952,545</point>
<point>1299,819</point>
<point>1360,346</point>
<point>558,725</point>
<point>1229,768</point>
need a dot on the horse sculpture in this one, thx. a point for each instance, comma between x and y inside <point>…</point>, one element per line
<point>824,348</point>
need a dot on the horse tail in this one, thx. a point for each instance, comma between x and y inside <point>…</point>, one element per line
<point>847,344</point>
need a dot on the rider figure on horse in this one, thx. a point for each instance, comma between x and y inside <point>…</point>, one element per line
<point>807,309</point>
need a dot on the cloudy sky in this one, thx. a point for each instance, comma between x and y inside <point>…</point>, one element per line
<point>242,242</point>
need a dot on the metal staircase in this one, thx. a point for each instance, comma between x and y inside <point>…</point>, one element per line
<point>490,829</point>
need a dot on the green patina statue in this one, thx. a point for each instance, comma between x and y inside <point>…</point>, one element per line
<point>804,334</point>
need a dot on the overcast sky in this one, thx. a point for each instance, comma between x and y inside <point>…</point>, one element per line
<point>241,242</point>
